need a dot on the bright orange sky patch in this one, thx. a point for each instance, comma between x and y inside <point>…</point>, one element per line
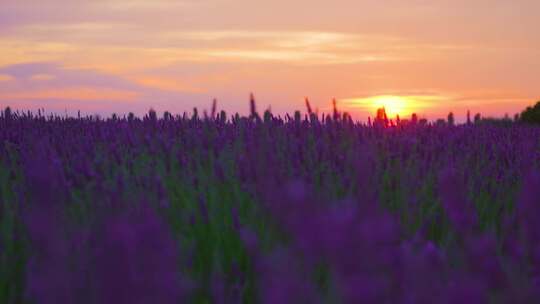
<point>449,55</point>
<point>75,94</point>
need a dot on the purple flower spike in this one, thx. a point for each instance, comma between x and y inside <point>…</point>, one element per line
<point>44,175</point>
<point>137,261</point>
<point>282,280</point>
<point>453,193</point>
<point>465,289</point>
<point>130,259</point>
<point>483,261</point>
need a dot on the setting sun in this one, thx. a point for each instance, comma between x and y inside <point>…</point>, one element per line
<point>394,105</point>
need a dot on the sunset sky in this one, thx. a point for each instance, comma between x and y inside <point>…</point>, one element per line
<point>106,56</point>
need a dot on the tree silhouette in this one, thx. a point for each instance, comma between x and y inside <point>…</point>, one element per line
<point>531,114</point>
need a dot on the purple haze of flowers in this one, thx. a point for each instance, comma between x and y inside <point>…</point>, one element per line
<point>282,280</point>
<point>334,241</point>
<point>422,272</point>
<point>130,258</point>
<point>49,277</point>
<point>464,289</point>
<point>529,205</point>
<point>44,174</point>
<point>137,261</point>
<point>357,240</point>
<point>528,210</point>
<point>457,206</point>
<point>483,262</point>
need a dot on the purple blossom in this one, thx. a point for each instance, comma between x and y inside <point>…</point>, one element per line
<point>130,258</point>
<point>459,209</point>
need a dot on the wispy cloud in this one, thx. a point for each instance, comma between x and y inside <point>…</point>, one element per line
<point>116,44</point>
<point>166,84</point>
<point>42,77</point>
<point>71,93</point>
<point>41,81</point>
<point>123,5</point>
<point>52,86</point>
<point>4,77</point>
<point>27,74</point>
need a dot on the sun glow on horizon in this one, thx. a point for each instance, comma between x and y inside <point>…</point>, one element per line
<point>394,105</point>
<point>179,54</point>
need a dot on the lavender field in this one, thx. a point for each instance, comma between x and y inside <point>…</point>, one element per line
<point>266,209</point>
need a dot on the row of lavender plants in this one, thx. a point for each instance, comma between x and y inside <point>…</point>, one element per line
<point>302,209</point>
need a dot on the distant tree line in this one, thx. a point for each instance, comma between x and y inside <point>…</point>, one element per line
<point>531,115</point>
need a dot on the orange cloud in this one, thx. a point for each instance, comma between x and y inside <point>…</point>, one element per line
<point>166,83</point>
<point>5,78</point>
<point>75,93</point>
<point>41,77</point>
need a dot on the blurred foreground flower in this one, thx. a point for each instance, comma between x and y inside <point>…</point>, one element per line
<point>129,258</point>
